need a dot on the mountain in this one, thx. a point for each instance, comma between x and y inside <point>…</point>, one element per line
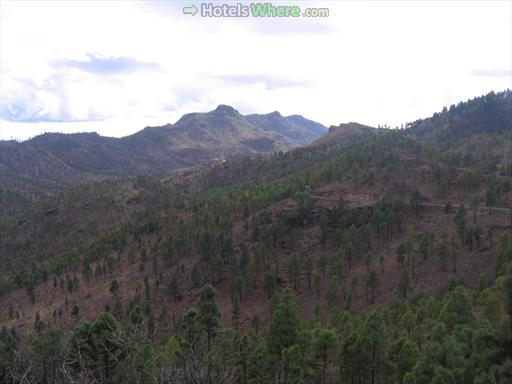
<point>50,162</point>
<point>370,244</point>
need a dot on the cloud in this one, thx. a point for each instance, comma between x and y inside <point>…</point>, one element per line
<point>48,101</point>
<point>494,72</point>
<point>106,65</point>
<point>269,81</point>
<point>355,65</point>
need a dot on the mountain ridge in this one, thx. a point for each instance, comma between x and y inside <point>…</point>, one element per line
<point>196,138</point>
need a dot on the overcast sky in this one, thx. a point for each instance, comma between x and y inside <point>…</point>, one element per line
<point>116,67</point>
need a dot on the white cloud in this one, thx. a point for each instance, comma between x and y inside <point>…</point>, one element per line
<point>115,67</point>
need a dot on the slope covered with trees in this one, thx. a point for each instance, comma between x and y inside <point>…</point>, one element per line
<point>382,257</point>
<point>49,163</point>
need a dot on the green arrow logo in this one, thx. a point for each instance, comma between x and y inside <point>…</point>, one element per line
<point>190,10</point>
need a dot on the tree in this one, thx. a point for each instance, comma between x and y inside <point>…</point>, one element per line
<point>286,325</point>
<point>477,235</point>
<point>48,350</point>
<point>490,233</point>
<point>373,283</point>
<point>490,197</point>
<point>39,324</point>
<point>330,294</point>
<point>443,253</point>
<point>308,270</point>
<point>136,315</point>
<point>400,254</point>
<point>457,308</point>
<point>324,342</point>
<point>493,307</point>
<point>475,204</point>
<point>114,287</point>
<point>269,283</point>
<point>404,284</point>
<point>237,284</point>
<point>424,245</point>
<point>294,270</point>
<point>86,272</point>
<point>374,346</point>
<point>174,286</point>
<point>322,263</point>
<point>448,210</point>
<point>75,311</point>
<point>94,346</point>
<point>349,251</point>
<point>336,264</point>
<point>255,323</point>
<point>194,276</point>
<point>454,253</point>
<point>505,187</point>
<point>209,315</point>
<point>508,296</point>
<point>368,261</point>
<point>404,356</point>
<point>294,365</point>
<point>235,314</point>
<point>416,200</point>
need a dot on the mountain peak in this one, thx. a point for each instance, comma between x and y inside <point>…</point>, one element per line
<point>227,109</point>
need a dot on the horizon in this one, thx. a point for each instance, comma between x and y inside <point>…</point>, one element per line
<point>116,79</point>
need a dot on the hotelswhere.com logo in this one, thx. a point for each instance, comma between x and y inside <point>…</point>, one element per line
<point>253,10</point>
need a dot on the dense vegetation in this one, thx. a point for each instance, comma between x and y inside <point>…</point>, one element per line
<point>464,337</point>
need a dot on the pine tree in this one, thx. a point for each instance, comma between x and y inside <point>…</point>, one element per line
<point>457,308</point>
<point>324,343</point>
<point>490,197</point>
<point>349,252</point>
<point>368,261</point>
<point>114,287</point>
<point>331,294</point>
<point>209,315</point>
<point>235,314</point>
<point>75,311</point>
<point>256,323</point>
<point>39,324</point>
<point>443,254</point>
<point>454,253</point>
<point>475,204</point>
<point>404,284</point>
<point>400,254</point>
<point>269,283</point>
<point>294,270</point>
<point>374,346</point>
<point>194,276</point>
<point>286,325</point>
<point>416,200</point>
<point>308,270</point>
<point>373,283</point>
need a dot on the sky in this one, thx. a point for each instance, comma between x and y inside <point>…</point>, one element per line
<point>117,67</point>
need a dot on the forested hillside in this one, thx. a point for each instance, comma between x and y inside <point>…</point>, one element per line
<point>371,256</point>
<point>50,163</point>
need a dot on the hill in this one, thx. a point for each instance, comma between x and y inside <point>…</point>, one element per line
<point>342,133</point>
<point>50,162</point>
<point>385,238</point>
<point>491,113</point>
